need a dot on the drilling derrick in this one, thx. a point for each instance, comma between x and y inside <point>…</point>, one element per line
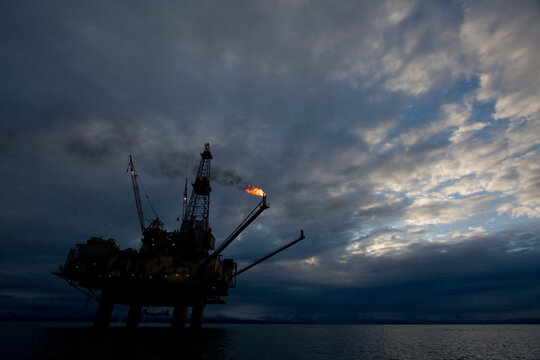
<point>171,269</point>
<point>195,228</point>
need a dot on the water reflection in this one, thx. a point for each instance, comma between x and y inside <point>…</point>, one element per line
<point>117,343</point>
<point>28,340</point>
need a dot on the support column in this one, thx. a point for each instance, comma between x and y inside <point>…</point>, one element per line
<point>179,316</point>
<point>104,312</point>
<point>134,316</point>
<point>197,315</point>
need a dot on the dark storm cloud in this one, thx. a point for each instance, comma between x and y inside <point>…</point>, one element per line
<point>101,141</point>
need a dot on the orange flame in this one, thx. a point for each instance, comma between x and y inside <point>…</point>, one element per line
<point>255,191</point>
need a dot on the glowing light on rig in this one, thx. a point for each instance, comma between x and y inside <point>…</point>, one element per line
<point>255,191</point>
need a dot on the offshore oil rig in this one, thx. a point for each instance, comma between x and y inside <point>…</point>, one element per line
<point>178,268</point>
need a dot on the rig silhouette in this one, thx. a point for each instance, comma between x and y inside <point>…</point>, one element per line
<point>172,268</point>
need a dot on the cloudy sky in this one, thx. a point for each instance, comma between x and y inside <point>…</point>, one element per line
<point>403,137</point>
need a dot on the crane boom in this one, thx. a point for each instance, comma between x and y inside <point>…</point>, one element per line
<point>136,193</point>
<point>275,252</point>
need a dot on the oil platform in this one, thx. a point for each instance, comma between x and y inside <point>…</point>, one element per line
<point>177,268</point>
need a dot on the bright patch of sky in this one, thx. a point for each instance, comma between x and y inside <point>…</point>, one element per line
<point>465,151</point>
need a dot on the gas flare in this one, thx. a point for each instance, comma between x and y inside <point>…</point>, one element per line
<point>255,191</point>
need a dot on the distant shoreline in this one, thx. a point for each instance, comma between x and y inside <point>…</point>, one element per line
<point>523,321</point>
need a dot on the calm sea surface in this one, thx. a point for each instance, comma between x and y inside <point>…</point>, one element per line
<point>43,340</point>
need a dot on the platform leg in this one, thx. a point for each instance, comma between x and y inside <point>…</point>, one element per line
<point>179,316</point>
<point>104,313</point>
<point>197,313</point>
<point>134,316</point>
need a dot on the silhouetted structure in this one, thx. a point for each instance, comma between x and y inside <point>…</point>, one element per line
<point>172,268</point>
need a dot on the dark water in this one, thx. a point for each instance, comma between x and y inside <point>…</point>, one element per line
<point>34,340</point>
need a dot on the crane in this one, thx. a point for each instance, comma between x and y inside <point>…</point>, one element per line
<point>155,223</point>
<point>131,169</point>
<point>275,252</point>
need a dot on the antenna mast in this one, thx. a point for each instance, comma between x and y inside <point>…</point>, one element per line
<point>184,202</point>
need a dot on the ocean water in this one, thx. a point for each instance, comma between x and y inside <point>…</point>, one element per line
<point>43,340</point>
